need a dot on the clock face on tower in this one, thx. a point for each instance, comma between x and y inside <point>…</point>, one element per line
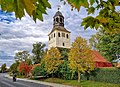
<point>59,36</point>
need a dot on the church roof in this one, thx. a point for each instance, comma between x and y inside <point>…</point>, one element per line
<point>59,28</point>
<point>98,57</point>
<point>58,13</point>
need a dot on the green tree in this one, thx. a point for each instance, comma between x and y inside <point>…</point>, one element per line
<point>106,44</point>
<point>14,66</point>
<point>65,72</point>
<point>52,60</point>
<point>38,52</point>
<point>80,57</point>
<point>3,68</point>
<point>23,56</point>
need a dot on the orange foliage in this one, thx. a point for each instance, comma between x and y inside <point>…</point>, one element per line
<point>24,68</point>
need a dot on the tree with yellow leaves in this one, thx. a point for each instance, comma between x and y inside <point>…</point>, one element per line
<point>52,60</point>
<point>80,57</point>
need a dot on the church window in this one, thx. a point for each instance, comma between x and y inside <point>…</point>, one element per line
<point>63,44</point>
<point>63,34</point>
<point>67,35</point>
<point>54,34</point>
<point>49,38</point>
<point>51,35</point>
<point>56,19</point>
<point>58,34</point>
<point>61,20</point>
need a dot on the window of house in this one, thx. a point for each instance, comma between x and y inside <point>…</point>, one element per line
<point>63,44</point>
<point>54,34</point>
<point>67,35</point>
<point>63,34</point>
<point>58,34</point>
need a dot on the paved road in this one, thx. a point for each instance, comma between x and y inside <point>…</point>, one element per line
<point>6,82</point>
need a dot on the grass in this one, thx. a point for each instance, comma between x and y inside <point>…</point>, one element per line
<point>81,84</point>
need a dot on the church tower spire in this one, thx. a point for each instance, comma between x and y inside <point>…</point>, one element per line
<point>58,19</point>
<point>59,36</point>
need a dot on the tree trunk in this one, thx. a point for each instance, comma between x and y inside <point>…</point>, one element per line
<point>78,76</point>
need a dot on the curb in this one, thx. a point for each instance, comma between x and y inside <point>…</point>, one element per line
<point>40,82</point>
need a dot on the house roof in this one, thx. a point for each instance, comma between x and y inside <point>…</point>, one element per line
<point>59,28</point>
<point>98,57</point>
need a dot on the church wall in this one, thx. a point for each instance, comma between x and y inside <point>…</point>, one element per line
<point>52,41</point>
<point>60,40</point>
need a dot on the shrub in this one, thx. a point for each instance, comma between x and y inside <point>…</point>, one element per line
<point>65,72</point>
<point>39,70</point>
<point>110,75</point>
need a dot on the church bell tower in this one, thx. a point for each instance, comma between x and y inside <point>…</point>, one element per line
<point>59,36</point>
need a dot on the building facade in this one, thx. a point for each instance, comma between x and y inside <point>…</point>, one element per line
<point>59,36</point>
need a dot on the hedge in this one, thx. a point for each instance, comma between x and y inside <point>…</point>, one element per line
<point>110,75</point>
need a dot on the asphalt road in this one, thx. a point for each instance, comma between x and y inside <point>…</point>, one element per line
<point>6,82</point>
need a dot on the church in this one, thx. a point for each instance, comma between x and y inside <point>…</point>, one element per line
<point>59,36</point>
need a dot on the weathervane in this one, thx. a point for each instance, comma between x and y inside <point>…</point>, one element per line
<point>58,7</point>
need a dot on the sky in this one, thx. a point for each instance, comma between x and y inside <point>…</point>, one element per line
<point>18,35</point>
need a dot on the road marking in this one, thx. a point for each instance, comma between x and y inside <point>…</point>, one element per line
<point>7,84</point>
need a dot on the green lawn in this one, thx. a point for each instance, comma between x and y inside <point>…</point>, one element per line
<point>81,84</point>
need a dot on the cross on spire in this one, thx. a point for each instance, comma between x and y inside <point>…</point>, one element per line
<point>59,7</point>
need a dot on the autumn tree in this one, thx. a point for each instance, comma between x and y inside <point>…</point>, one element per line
<point>34,8</point>
<point>52,60</point>
<point>38,52</point>
<point>80,57</point>
<point>24,68</point>
<point>106,44</point>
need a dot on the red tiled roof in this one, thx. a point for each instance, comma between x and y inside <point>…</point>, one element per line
<point>98,57</point>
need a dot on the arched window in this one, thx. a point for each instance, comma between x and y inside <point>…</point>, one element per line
<point>63,34</point>
<point>57,20</point>
<point>54,34</point>
<point>67,35</point>
<point>60,20</point>
<point>49,38</point>
<point>58,34</point>
<point>63,44</point>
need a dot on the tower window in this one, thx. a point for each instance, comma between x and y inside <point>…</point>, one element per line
<point>61,20</point>
<point>56,19</point>
<point>63,44</point>
<point>58,34</point>
<point>63,34</point>
<point>67,35</point>
<point>51,35</point>
<point>49,38</point>
<point>54,34</point>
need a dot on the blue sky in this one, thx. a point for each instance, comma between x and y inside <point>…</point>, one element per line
<point>17,35</point>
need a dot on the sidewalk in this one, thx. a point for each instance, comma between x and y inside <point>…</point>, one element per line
<point>39,82</point>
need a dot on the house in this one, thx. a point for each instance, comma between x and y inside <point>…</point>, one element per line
<point>100,61</point>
